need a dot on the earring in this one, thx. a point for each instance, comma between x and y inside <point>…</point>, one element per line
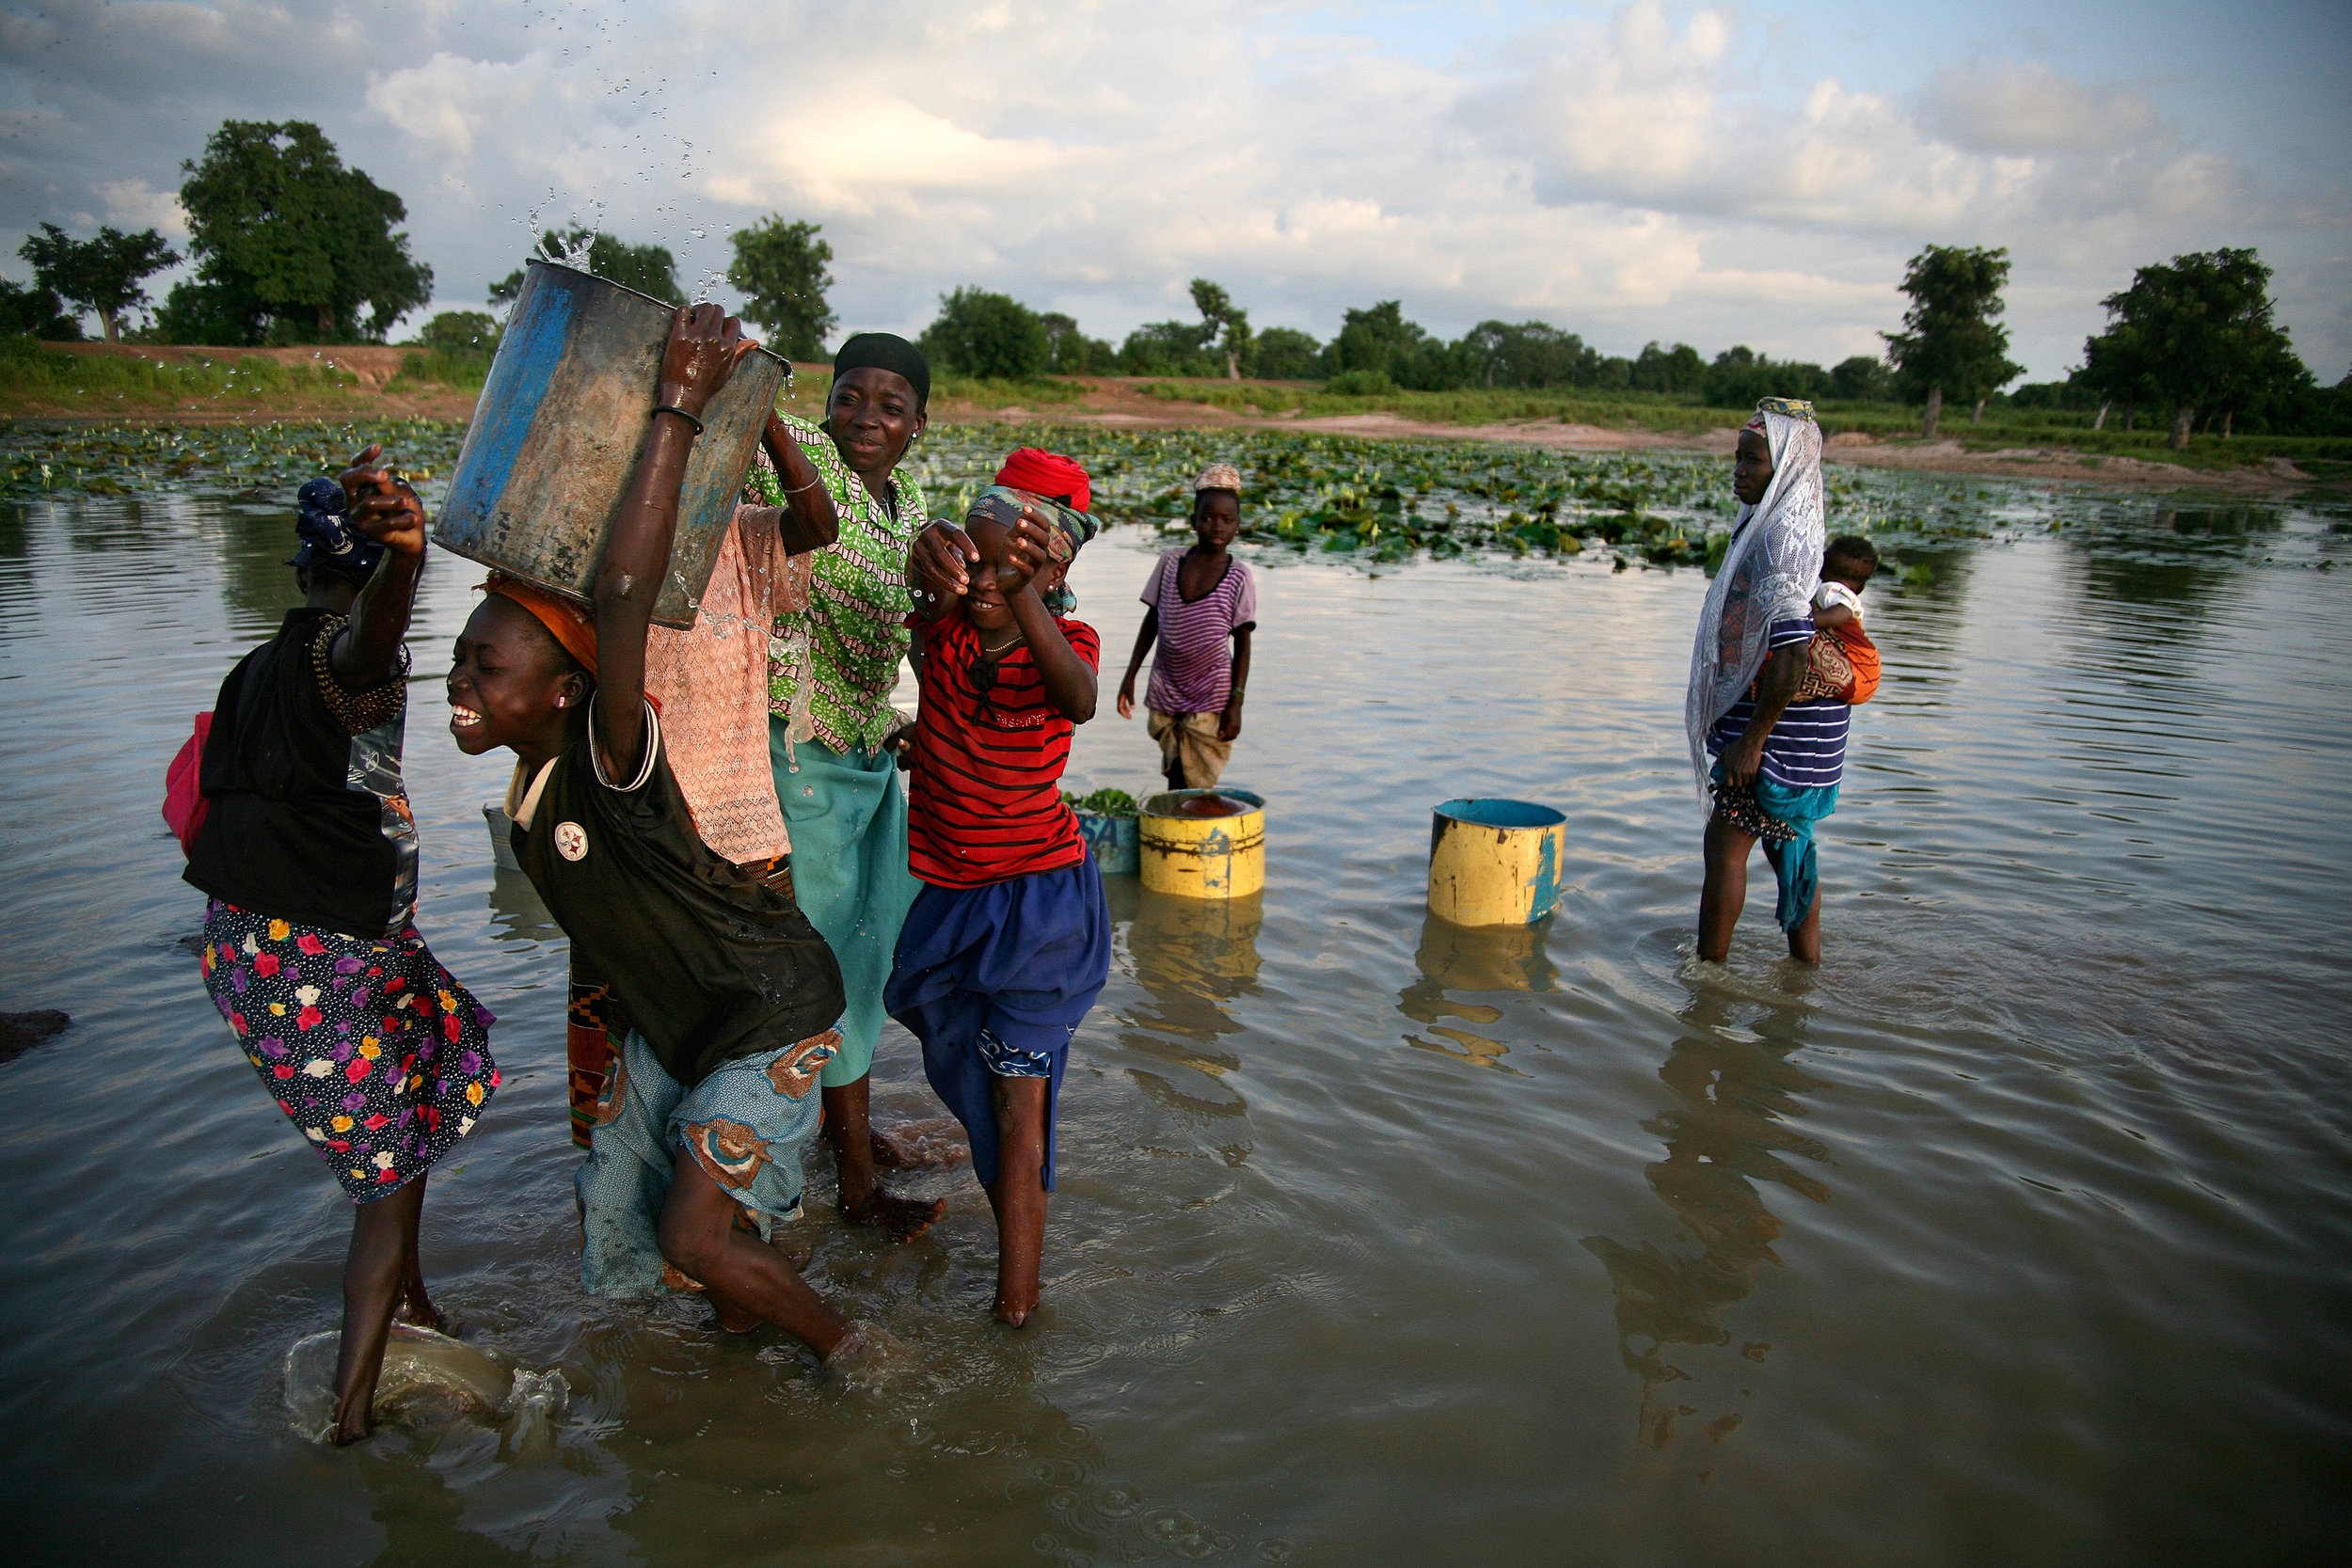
<point>561,701</point>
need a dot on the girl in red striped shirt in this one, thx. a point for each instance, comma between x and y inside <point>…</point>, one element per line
<point>1010,939</point>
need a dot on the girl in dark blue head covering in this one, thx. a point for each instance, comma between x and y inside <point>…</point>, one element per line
<point>328,539</point>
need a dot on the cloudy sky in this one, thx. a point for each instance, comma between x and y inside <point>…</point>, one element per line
<point>1754,172</point>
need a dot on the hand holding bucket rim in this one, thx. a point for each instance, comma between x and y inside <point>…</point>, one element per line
<point>706,344</point>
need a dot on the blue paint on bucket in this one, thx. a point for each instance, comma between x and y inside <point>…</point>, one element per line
<point>1118,846</point>
<point>1544,895</point>
<point>1496,813</point>
<point>529,355</point>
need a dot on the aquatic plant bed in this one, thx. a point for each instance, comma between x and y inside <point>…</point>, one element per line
<point>1378,502</point>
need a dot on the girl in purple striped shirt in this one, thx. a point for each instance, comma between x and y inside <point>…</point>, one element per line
<point>1203,606</point>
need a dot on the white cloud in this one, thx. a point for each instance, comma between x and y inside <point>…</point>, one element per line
<point>1651,172</point>
<point>2024,108</point>
<point>134,204</point>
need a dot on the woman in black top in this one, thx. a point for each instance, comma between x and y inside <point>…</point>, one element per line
<point>308,854</point>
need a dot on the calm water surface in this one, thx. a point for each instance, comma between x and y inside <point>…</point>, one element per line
<point>2020,1231</point>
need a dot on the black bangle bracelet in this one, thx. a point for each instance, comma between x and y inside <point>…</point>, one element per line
<point>673,408</point>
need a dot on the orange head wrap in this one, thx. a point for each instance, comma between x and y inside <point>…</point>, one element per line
<point>572,627</point>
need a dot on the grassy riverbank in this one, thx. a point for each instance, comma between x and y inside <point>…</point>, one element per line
<point>151,384</point>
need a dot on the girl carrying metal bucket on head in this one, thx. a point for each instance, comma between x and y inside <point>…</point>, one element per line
<point>732,995</point>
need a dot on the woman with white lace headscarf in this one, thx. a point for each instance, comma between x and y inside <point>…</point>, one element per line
<point>1777,760</point>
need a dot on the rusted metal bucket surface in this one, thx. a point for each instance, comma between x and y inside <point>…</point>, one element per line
<point>554,440</point>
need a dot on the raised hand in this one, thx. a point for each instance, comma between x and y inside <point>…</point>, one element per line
<point>383,506</point>
<point>706,344</point>
<point>942,558</point>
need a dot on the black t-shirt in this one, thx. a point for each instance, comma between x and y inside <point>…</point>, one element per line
<point>309,820</point>
<point>712,960</point>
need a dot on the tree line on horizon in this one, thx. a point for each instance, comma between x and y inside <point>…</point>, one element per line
<point>291,246</point>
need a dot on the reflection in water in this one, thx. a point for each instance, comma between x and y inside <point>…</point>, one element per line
<point>1472,958</point>
<point>1193,957</point>
<point>1735,1087</point>
<point>516,913</point>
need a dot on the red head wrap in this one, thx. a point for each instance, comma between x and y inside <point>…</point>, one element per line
<point>1046,473</point>
<point>571,626</point>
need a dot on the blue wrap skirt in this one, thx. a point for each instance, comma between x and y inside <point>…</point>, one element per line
<point>993,981</point>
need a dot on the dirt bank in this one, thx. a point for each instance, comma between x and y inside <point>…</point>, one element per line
<point>1125,402</point>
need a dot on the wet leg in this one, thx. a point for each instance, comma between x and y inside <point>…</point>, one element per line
<point>849,1127</point>
<point>415,1305</point>
<point>1018,1195</point>
<point>744,1275</point>
<point>1726,888</point>
<point>383,1242</point>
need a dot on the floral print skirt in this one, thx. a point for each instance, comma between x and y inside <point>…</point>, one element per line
<point>375,1053</point>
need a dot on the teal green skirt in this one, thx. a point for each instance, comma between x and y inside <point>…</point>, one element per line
<point>847,816</point>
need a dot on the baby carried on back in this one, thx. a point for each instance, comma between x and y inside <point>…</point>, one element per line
<point>1843,664</point>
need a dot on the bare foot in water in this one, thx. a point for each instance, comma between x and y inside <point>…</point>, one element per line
<point>929,1145</point>
<point>848,1129</point>
<point>416,1308</point>
<point>902,1219</point>
<point>864,1356</point>
<point>733,1319</point>
<point>1018,1195</point>
<point>1015,1300</point>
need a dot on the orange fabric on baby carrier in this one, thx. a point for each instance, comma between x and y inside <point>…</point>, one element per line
<point>1863,655</point>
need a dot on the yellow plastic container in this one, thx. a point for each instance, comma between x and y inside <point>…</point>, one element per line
<point>1202,857</point>
<point>1495,862</point>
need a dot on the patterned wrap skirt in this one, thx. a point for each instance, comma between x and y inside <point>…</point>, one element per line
<point>745,1125</point>
<point>377,1055</point>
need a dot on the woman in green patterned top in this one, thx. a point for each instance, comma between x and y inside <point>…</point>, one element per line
<point>830,669</point>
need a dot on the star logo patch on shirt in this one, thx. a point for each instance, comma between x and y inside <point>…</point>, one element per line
<point>571,841</point>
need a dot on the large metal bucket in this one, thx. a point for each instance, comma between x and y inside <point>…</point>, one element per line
<point>1495,862</point>
<point>1202,857</point>
<point>554,441</point>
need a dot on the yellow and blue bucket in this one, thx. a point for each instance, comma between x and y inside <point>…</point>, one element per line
<point>1495,862</point>
<point>1202,857</point>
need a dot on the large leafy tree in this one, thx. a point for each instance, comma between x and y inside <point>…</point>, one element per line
<point>1170,348</point>
<point>35,312</point>
<point>1377,340</point>
<point>103,275</point>
<point>983,334</point>
<point>1861,378</point>
<point>649,269</point>
<point>1228,321</point>
<point>289,243</point>
<point>1070,352</point>
<point>460,332</point>
<point>1680,369</point>
<point>2195,333</point>
<point>1283,354</point>
<point>1531,354</point>
<point>1951,345</point>
<point>781,269</point>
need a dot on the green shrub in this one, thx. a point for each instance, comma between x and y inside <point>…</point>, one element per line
<point>1360,384</point>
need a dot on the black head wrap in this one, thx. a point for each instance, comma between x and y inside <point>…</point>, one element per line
<point>328,539</point>
<point>886,351</point>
